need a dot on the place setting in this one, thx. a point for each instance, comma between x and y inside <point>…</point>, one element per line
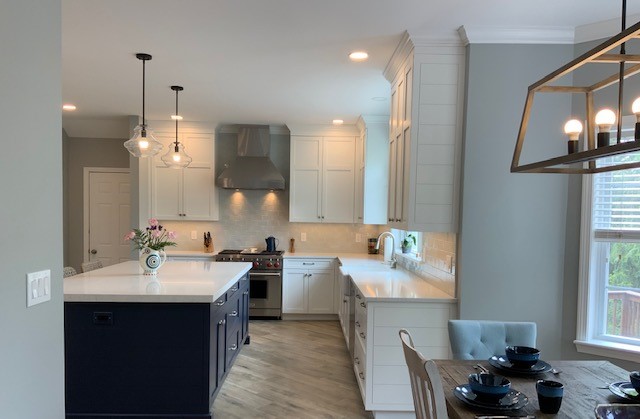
<point>520,360</point>
<point>628,390</point>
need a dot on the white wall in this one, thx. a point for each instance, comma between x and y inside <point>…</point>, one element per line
<point>31,339</point>
<point>512,236</point>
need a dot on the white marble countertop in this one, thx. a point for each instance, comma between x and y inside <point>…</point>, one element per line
<point>176,282</point>
<point>378,282</point>
<point>189,254</point>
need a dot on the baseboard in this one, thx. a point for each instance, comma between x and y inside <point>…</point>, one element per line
<point>309,317</point>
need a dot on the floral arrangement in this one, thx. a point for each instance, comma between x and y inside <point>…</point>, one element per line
<point>154,237</point>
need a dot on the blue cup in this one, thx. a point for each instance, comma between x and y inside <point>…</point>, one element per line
<point>549,395</point>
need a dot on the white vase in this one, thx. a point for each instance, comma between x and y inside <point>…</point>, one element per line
<point>151,260</point>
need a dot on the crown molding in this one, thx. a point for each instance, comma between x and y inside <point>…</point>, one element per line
<point>233,129</point>
<point>516,35</point>
<point>604,29</point>
<point>404,48</point>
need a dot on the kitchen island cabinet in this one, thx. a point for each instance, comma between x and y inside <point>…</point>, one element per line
<point>160,347</point>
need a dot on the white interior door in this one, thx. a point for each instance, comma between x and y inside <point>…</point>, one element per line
<point>108,217</point>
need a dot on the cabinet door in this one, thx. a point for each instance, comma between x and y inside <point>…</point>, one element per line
<point>306,178</point>
<point>321,292</point>
<point>221,341</point>
<point>167,199</point>
<point>294,291</point>
<point>198,194</point>
<point>359,184</point>
<point>338,179</point>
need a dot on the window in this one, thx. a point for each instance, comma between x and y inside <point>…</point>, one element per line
<point>414,248</point>
<point>609,307</point>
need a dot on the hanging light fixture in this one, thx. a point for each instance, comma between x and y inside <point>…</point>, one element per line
<point>176,157</point>
<point>604,119</point>
<point>143,143</point>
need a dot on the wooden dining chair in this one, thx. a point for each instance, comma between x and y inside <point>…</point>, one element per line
<point>426,385</point>
<point>91,266</point>
<point>481,339</point>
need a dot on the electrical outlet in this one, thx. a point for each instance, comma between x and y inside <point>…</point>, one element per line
<point>194,234</point>
<point>38,287</point>
<point>358,237</point>
<point>303,237</point>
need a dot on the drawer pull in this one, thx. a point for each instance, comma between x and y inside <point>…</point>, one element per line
<point>233,347</point>
<point>220,303</point>
<point>102,317</point>
<point>234,313</point>
<point>246,293</point>
<point>358,324</point>
<point>356,360</point>
<point>361,375</point>
<point>308,263</point>
<point>359,297</point>
<point>362,335</point>
<point>221,322</point>
<point>234,289</point>
<point>363,305</point>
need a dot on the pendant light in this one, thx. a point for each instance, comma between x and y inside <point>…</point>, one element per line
<point>143,143</point>
<point>176,157</point>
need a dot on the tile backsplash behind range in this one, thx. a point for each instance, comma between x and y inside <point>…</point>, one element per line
<point>247,217</point>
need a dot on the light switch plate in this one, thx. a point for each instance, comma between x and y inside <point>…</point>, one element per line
<point>303,237</point>
<point>38,287</point>
<point>358,237</point>
<point>194,234</point>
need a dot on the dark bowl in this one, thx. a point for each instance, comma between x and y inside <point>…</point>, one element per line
<point>522,356</point>
<point>489,386</point>
<point>634,377</point>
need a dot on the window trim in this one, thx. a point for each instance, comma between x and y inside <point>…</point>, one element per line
<point>589,291</point>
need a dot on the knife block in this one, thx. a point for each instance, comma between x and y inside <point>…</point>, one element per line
<point>209,248</point>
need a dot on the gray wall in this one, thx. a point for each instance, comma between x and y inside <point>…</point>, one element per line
<point>512,236</point>
<point>31,339</point>
<point>81,153</point>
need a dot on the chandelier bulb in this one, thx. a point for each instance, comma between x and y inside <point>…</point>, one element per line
<point>605,120</point>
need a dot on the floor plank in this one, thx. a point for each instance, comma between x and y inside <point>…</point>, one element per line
<point>291,369</point>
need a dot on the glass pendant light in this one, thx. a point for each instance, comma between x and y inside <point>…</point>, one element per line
<point>176,157</point>
<point>143,143</point>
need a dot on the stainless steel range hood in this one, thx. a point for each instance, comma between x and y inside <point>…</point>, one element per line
<point>252,168</point>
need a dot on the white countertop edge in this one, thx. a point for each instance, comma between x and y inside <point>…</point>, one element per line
<point>207,297</point>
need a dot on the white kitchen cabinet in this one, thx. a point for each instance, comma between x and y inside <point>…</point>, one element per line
<point>189,193</point>
<point>372,168</point>
<point>379,364</point>
<point>308,286</point>
<point>425,134</point>
<point>322,175</point>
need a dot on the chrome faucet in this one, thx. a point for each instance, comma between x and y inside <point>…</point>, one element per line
<point>392,262</point>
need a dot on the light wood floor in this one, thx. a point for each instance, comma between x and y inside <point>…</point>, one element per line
<point>291,369</point>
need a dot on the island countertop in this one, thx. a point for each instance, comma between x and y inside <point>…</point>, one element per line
<point>176,282</point>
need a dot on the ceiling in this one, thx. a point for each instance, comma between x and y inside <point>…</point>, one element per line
<point>268,61</point>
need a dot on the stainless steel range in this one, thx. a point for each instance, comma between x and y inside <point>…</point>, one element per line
<point>265,292</point>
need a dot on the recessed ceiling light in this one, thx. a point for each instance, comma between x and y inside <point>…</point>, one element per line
<point>338,122</point>
<point>69,107</point>
<point>358,56</point>
<point>178,117</point>
<point>379,98</point>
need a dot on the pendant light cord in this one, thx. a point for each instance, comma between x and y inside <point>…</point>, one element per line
<point>621,73</point>
<point>177,117</point>
<point>143,83</point>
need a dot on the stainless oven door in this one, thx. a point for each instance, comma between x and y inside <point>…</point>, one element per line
<point>265,290</point>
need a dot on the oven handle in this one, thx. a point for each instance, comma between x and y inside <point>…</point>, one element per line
<point>264,274</point>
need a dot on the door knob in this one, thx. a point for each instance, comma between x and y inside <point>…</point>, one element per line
<point>93,251</point>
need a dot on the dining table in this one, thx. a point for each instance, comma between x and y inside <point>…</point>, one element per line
<point>585,386</point>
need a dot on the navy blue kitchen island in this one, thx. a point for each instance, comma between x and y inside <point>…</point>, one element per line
<point>160,347</point>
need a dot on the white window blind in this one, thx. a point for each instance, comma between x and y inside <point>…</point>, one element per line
<point>616,199</point>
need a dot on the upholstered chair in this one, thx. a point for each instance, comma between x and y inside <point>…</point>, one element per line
<point>480,339</point>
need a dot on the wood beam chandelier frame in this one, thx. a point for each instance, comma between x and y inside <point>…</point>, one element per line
<point>599,54</point>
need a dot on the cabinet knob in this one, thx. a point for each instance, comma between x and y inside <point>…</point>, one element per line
<point>323,217</point>
<point>356,360</point>
<point>362,335</point>
<point>234,289</point>
<point>233,347</point>
<point>246,293</point>
<point>363,305</point>
<point>361,375</point>
<point>221,322</point>
<point>234,313</point>
<point>358,324</point>
<point>219,303</point>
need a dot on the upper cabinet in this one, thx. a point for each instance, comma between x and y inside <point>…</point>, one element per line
<point>189,193</point>
<point>425,136</point>
<point>322,174</point>
<point>372,168</point>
